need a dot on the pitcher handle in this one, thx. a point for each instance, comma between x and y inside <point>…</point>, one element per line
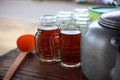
<point>115,42</point>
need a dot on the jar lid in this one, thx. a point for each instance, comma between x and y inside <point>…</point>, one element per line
<point>110,19</point>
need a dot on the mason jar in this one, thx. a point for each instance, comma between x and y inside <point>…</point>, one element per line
<point>45,51</point>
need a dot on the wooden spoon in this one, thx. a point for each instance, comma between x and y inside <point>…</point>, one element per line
<point>25,44</point>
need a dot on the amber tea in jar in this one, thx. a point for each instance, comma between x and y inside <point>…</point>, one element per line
<point>46,31</point>
<point>70,37</point>
<point>70,48</point>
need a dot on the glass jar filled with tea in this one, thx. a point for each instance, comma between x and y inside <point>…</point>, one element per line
<point>46,51</point>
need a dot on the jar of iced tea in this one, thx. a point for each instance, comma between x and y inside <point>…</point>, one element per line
<point>69,37</point>
<point>46,51</point>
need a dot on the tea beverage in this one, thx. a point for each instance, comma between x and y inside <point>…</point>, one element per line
<point>43,43</point>
<point>46,51</point>
<point>70,48</point>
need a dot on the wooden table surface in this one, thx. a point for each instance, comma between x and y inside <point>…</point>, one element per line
<point>32,69</point>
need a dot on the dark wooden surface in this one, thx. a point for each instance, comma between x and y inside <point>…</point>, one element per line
<point>32,69</point>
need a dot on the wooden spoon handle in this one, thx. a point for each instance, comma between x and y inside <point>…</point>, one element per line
<point>14,66</point>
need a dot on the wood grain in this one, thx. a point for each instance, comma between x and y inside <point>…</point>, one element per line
<point>32,69</point>
<point>14,66</point>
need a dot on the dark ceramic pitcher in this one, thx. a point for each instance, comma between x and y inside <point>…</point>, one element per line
<point>98,51</point>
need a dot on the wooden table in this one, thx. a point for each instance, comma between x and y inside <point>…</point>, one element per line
<point>32,69</point>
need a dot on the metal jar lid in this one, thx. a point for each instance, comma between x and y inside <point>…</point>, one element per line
<point>110,19</point>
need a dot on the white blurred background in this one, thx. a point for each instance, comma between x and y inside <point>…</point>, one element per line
<point>19,17</point>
